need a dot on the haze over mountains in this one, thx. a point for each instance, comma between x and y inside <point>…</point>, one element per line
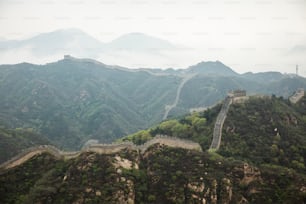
<point>152,102</point>
<point>71,40</point>
<point>47,47</point>
<point>73,100</point>
<point>132,50</point>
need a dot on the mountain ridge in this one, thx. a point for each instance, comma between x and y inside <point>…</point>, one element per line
<point>76,42</point>
<point>139,42</point>
<point>74,100</point>
<point>203,67</point>
<point>247,168</point>
<point>213,68</point>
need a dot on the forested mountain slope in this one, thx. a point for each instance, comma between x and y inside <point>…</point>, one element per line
<point>261,130</point>
<point>260,160</point>
<point>73,100</point>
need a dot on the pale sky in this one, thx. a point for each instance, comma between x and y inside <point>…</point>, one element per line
<point>249,35</point>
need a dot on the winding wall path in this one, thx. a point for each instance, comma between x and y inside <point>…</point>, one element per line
<point>98,148</point>
<point>215,144</point>
<point>168,108</point>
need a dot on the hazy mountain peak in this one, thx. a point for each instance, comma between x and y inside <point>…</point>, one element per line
<point>61,35</point>
<point>135,34</point>
<point>264,77</point>
<point>140,42</point>
<point>70,30</point>
<point>212,68</point>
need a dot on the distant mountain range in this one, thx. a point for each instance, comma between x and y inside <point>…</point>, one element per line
<point>73,100</point>
<point>132,50</point>
<point>66,41</point>
<point>139,42</point>
<point>78,43</point>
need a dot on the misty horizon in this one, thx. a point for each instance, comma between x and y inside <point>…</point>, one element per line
<point>254,36</point>
<point>126,46</point>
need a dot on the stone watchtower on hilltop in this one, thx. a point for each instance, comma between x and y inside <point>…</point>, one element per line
<point>299,93</point>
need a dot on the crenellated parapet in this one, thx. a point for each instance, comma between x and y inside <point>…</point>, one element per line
<point>99,148</point>
<point>236,96</point>
<point>26,154</point>
<point>171,142</point>
<point>109,148</point>
<point>158,139</point>
<point>217,134</point>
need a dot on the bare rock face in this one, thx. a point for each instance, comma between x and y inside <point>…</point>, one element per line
<point>226,191</point>
<point>197,189</point>
<point>122,163</point>
<point>204,194</point>
<point>250,174</point>
<point>213,195</point>
<point>126,196</point>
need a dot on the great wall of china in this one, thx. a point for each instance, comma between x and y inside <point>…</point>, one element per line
<point>99,148</point>
<point>217,134</point>
<point>168,108</point>
<point>237,96</point>
<point>298,95</point>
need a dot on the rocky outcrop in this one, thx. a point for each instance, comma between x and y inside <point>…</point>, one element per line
<point>250,174</point>
<point>226,191</point>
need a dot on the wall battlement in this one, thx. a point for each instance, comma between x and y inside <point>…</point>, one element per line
<point>99,148</point>
<point>236,96</point>
<point>217,134</point>
<point>299,93</point>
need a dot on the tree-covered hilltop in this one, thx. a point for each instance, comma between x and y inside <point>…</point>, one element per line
<point>266,130</point>
<point>261,130</point>
<point>197,127</point>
